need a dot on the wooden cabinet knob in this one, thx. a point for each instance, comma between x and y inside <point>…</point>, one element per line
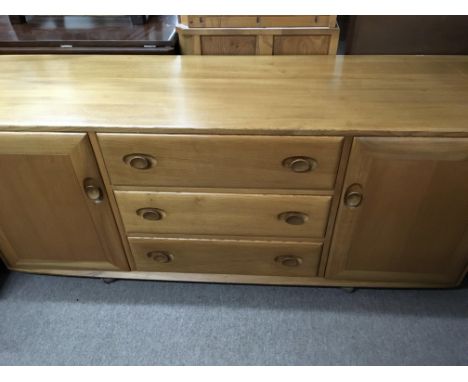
<point>151,213</point>
<point>160,256</point>
<point>293,218</point>
<point>289,261</point>
<point>353,196</point>
<point>300,164</point>
<point>93,190</point>
<point>140,161</point>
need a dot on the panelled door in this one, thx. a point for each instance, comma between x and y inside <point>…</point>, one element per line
<point>53,209</point>
<point>403,214</point>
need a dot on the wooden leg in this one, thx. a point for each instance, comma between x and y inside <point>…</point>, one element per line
<point>109,281</point>
<point>17,19</point>
<point>138,19</point>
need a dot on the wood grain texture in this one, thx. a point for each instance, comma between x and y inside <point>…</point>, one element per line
<point>46,219</point>
<point>412,225</point>
<point>307,95</point>
<point>224,214</point>
<point>111,197</point>
<point>210,21</point>
<point>257,41</point>
<point>226,256</point>
<point>221,161</point>
<point>228,45</point>
<point>300,45</point>
<point>340,177</point>
<point>227,278</point>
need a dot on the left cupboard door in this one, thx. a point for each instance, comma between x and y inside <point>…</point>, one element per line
<point>54,212</point>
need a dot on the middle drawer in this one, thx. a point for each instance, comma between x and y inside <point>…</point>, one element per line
<point>224,214</point>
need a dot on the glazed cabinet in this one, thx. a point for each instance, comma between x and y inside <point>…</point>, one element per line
<point>54,212</point>
<point>403,215</point>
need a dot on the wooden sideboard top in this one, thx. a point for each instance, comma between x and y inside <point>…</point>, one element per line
<point>369,95</point>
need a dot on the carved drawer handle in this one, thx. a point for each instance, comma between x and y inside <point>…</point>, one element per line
<point>293,217</point>
<point>353,196</point>
<point>151,213</point>
<point>93,190</point>
<point>289,261</point>
<point>160,256</point>
<point>139,161</point>
<point>300,164</point>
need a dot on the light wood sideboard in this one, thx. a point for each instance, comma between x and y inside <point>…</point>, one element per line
<point>317,170</point>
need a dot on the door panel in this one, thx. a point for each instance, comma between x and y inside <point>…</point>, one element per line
<point>46,218</point>
<point>412,224</point>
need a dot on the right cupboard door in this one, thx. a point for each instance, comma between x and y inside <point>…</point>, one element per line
<point>403,215</point>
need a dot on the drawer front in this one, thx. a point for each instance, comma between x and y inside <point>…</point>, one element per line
<point>223,214</point>
<point>222,161</point>
<point>226,256</point>
<point>259,21</point>
<point>297,21</point>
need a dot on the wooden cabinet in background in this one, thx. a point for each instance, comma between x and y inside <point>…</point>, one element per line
<point>258,35</point>
<point>212,21</point>
<point>404,212</point>
<point>53,209</point>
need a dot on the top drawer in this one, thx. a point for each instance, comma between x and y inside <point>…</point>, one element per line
<point>221,161</point>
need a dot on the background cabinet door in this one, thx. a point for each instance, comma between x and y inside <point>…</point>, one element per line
<point>46,218</point>
<point>412,223</point>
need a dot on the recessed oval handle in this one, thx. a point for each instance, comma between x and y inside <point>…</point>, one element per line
<point>300,164</point>
<point>160,256</point>
<point>293,217</point>
<point>353,196</point>
<point>139,161</point>
<point>151,213</point>
<point>93,190</point>
<point>289,260</point>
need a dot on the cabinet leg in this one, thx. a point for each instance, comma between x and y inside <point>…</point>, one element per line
<point>109,281</point>
<point>348,289</point>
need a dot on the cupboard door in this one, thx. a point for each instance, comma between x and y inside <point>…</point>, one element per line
<point>228,45</point>
<point>306,44</point>
<point>412,222</point>
<point>47,218</point>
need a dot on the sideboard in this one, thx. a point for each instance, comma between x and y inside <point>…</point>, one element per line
<point>313,170</point>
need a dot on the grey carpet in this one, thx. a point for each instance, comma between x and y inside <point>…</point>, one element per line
<point>75,321</point>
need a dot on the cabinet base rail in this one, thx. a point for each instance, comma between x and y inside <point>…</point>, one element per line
<point>237,279</point>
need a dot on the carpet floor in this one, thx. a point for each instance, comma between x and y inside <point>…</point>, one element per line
<point>48,320</point>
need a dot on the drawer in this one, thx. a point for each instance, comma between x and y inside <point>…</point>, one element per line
<point>258,21</point>
<point>244,257</point>
<point>223,214</point>
<point>221,161</point>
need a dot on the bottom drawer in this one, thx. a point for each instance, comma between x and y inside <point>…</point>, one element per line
<point>246,257</point>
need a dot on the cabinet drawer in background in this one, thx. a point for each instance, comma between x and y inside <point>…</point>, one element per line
<point>245,257</point>
<point>221,161</point>
<point>258,21</point>
<point>224,214</point>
